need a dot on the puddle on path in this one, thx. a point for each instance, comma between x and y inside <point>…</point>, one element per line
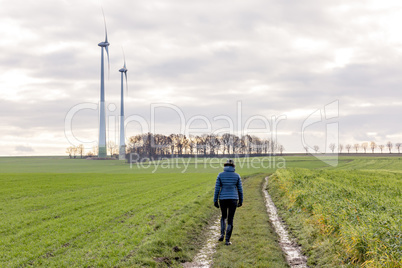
<point>292,250</point>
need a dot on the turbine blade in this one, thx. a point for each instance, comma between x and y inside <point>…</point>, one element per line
<point>106,34</point>
<point>104,19</point>
<point>124,56</point>
<point>125,73</point>
<point>108,63</point>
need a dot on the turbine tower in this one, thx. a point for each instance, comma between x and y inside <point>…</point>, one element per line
<point>102,151</point>
<point>122,148</point>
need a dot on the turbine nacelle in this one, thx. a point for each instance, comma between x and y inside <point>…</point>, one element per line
<point>103,44</point>
<point>123,70</point>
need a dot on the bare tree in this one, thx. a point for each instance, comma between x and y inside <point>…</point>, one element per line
<point>226,141</point>
<point>274,146</point>
<point>80,150</point>
<point>356,146</point>
<point>191,144</point>
<point>316,148</point>
<point>381,146</point>
<point>69,151</point>
<point>173,143</point>
<point>168,142</point>
<point>398,146</point>
<point>75,151</point>
<point>348,147</point>
<point>373,146</point>
<point>332,147</point>
<point>266,146</point>
<point>186,142</point>
<point>389,146</point>
<point>134,144</point>
<point>235,144</point>
<point>257,144</point>
<point>340,147</point>
<point>306,149</point>
<point>112,148</point>
<point>159,144</point>
<point>247,144</point>
<point>199,146</point>
<point>217,144</point>
<point>95,150</point>
<point>213,144</point>
<point>364,146</point>
<point>281,148</point>
<point>179,143</point>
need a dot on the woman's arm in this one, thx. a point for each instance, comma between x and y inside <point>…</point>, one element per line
<point>218,186</point>
<point>240,190</point>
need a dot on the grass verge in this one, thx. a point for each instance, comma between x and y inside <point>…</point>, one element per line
<point>255,243</point>
<point>342,218</point>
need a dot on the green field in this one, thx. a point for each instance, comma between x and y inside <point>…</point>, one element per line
<point>343,217</point>
<point>246,166</point>
<point>59,212</point>
<point>91,219</point>
<point>74,213</point>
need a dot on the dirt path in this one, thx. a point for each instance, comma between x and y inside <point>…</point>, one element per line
<point>292,251</point>
<point>203,259</point>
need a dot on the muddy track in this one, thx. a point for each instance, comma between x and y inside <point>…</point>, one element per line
<point>203,259</point>
<point>290,248</point>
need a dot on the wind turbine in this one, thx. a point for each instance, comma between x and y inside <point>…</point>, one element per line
<point>102,116</point>
<point>122,148</point>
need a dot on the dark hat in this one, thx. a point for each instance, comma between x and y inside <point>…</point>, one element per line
<point>229,162</point>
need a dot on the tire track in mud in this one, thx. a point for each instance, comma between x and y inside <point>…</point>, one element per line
<point>203,259</point>
<point>292,250</point>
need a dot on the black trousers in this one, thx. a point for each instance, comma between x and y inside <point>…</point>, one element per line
<point>228,208</point>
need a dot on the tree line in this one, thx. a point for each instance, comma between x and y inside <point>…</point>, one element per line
<point>78,151</point>
<point>159,145</point>
<point>365,146</point>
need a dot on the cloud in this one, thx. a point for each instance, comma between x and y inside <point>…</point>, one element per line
<point>25,149</point>
<point>276,57</point>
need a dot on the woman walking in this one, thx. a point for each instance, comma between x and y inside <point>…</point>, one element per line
<point>229,192</point>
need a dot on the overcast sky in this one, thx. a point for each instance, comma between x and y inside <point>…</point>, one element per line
<point>257,58</point>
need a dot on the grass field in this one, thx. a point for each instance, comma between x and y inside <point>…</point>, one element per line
<point>246,166</point>
<point>100,220</point>
<point>343,217</point>
<point>59,212</point>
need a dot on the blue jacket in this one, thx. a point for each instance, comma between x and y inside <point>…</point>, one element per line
<point>228,185</point>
